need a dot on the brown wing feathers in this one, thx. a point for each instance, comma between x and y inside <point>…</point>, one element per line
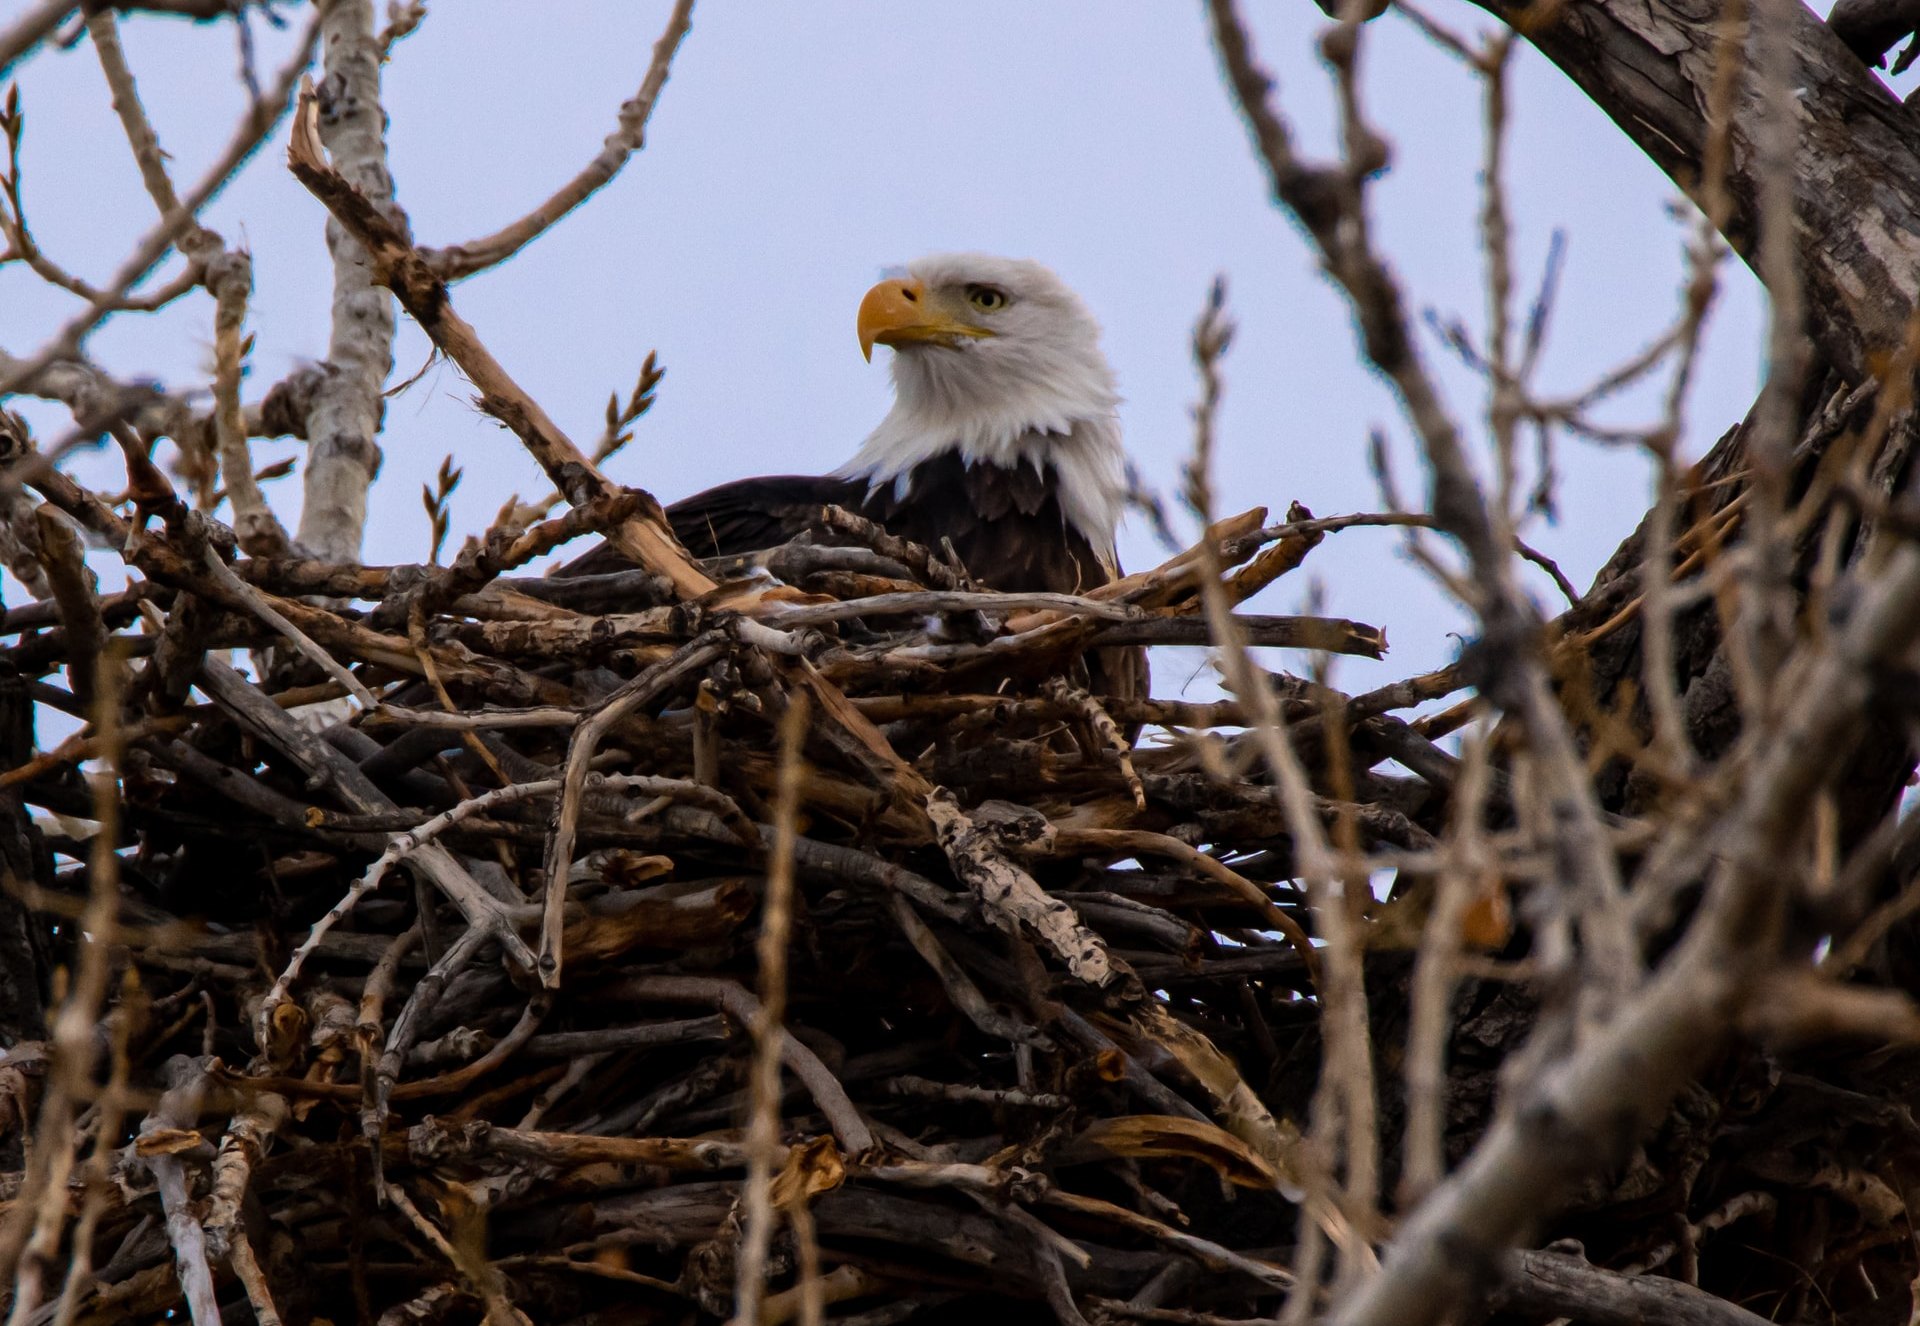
<point>744,516</point>
<point>1006,525</point>
<point>748,515</point>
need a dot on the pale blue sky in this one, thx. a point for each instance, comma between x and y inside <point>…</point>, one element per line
<point>800,149</point>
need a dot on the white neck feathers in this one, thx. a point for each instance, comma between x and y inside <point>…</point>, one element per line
<point>1048,405</point>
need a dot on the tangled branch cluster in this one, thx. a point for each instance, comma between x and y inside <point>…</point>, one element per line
<point>997,906</point>
<point>797,933</point>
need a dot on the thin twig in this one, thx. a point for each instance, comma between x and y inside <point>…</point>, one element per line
<point>299,639</point>
<point>763,1123</point>
<point>253,129</point>
<point>458,261</point>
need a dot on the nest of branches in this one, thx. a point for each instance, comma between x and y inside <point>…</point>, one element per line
<point>560,949</point>
<point>549,945</point>
<point>806,933</point>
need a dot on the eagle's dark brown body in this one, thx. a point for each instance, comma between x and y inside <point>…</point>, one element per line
<point>1005,524</point>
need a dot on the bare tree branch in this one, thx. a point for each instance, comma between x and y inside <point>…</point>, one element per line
<point>30,29</point>
<point>1856,178</point>
<point>1576,1115</point>
<point>644,538</point>
<point>251,132</point>
<point>459,261</point>
<point>1330,202</point>
<point>228,277</point>
<point>342,456</point>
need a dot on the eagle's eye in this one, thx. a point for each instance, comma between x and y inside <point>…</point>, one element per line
<point>986,298</point>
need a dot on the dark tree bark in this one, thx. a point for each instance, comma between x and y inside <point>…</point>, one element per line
<point>1856,196</point>
<point>23,858</point>
<point>1649,65</point>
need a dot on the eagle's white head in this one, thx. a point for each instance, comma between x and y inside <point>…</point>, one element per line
<point>996,358</point>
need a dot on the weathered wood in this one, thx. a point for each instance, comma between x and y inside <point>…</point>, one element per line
<point>1649,65</point>
<point>1553,1283</point>
<point>1856,200</point>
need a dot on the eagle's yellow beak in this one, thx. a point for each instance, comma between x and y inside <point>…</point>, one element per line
<point>905,313</point>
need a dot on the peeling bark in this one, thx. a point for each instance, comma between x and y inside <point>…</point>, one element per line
<point>1649,65</point>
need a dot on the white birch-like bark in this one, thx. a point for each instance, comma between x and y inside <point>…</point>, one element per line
<point>345,416</point>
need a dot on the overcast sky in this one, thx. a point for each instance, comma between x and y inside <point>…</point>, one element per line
<point>799,150</point>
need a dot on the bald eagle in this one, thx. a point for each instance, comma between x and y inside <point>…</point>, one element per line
<point>1004,437</point>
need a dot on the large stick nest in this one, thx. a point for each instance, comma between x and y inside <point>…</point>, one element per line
<point>447,1007</point>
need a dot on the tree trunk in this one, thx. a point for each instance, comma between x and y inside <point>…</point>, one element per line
<point>1856,197</point>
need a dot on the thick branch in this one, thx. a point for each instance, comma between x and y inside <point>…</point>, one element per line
<point>1649,64</point>
<point>1574,1117</point>
<point>30,29</point>
<point>1548,1284</point>
<point>345,417</point>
